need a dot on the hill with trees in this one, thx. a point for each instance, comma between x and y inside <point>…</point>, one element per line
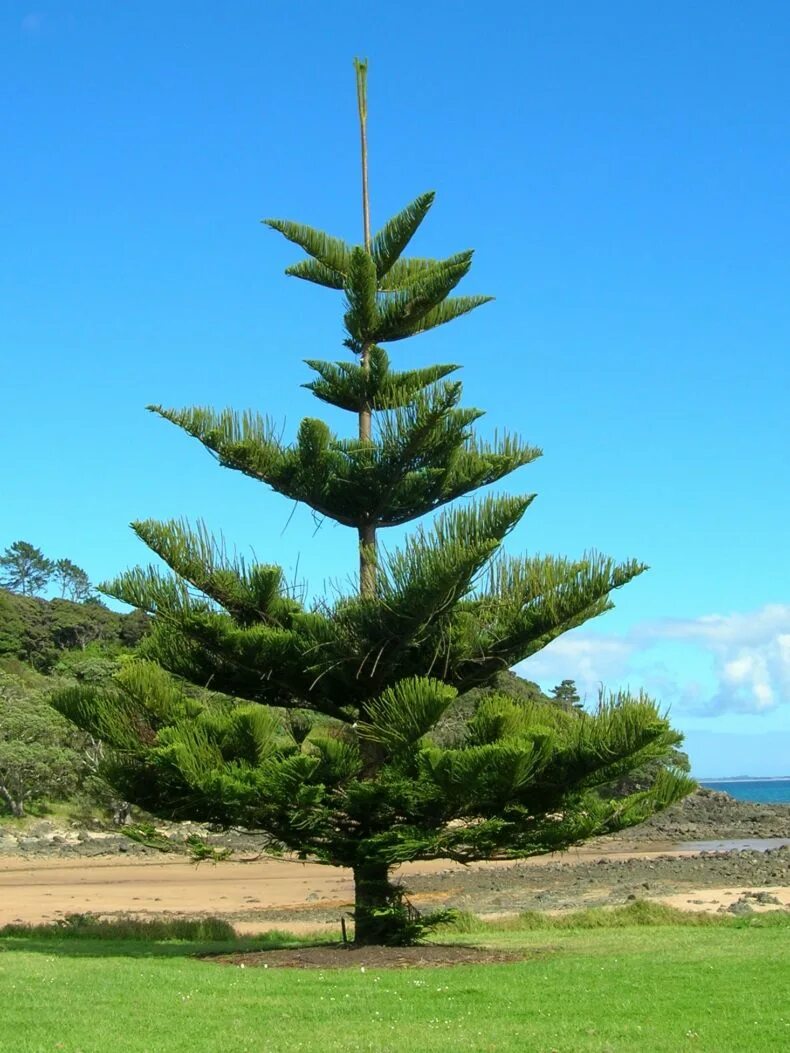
<point>46,644</point>
<point>60,635</point>
<point>49,644</point>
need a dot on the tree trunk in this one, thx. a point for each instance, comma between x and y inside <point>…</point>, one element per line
<point>367,533</point>
<point>121,813</point>
<point>366,413</point>
<point>367,560</point>
<point>17,807</point>
<point>362,105</point>
<point>377,906</point>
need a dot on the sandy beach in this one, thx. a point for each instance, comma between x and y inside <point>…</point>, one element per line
<point>268,893</point>
<point>48,872</point>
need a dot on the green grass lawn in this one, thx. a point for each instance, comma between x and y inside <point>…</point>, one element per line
<point>722,988</point>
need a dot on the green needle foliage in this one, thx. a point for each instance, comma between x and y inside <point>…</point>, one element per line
<point>352,776</point>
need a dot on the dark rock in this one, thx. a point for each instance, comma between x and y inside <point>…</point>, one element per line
<point>740,907</point>
<point>762,897</point>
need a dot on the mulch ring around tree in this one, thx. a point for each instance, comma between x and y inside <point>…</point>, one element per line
<point>350,957</point>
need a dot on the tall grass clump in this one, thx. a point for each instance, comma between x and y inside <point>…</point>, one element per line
<point>638,913</point>
<point>128,927</point>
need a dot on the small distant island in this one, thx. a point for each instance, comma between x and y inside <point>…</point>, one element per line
<point>747,778</point>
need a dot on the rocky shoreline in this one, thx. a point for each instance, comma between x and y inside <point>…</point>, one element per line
<point>641,863</point>
<point>602,882</point>
<point>709,815</point>
<point>574,885</point>
<point>704,816</point>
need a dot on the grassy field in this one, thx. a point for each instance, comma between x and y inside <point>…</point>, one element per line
<point>590,985</point>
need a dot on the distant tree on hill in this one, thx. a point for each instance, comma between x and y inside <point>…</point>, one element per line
<point>566,695</point>
<point>73,582</point>
<point>133,627</point>
<point>25,568</point>
<point>450,730</point>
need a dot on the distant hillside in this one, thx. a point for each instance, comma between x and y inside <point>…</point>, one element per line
<point>48,643</point>
<point>42,632</point>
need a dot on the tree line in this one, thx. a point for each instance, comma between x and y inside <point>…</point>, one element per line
<point>25,569</point>
<point>46,645</point>
<point>43,632</point>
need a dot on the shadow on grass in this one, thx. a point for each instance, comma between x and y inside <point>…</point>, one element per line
<point>87,936</point>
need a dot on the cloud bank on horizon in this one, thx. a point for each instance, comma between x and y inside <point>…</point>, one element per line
<point>703,667</point>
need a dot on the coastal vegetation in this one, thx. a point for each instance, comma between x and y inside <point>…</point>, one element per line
<point>47,644</point>
<point>358,776</point>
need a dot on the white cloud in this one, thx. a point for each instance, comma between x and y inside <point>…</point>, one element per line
<point>589,660</point>
<point>751,655</point>
<point>726,629</point>
<point>748,653</point>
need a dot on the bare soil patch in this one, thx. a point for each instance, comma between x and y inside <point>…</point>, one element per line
<point>349,957</point>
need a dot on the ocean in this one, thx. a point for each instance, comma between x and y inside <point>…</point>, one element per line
<point>764,791</point>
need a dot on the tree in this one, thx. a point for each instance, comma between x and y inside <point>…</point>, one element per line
<point>72,581</point>
<point>366,786</point>
<point>12,625</point>
<point>42,631</point>
<point>26,568</point>
<point>133,628</point>
<point>640,778</point>
<point>76,625</point>
<point>450,729</point>
<point>566,695</point>
<point>36,756</point>
<point>24,628</point>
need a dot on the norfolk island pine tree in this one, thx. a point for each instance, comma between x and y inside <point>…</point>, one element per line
<point>366,787</point>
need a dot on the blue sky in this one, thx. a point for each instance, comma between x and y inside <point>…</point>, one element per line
<point>621,171</point>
